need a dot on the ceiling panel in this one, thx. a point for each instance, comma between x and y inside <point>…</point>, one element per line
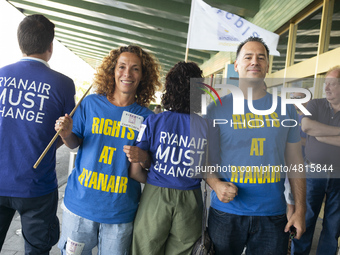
<point>91,28</point>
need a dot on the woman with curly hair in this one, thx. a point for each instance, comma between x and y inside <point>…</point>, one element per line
<point>100,200</point>
<point>169,217</point>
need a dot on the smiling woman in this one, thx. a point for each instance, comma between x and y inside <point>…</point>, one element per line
<point>120,68</point>
<point>128,73</point>
<point>100,198</point>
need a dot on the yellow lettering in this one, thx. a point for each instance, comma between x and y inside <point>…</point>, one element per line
<point>234,175</point>
<point>102,180</point>
<point>257,145</point>
<point>123,184</point>
<point>111,154</point>
<point>275,174</point>
<point>95,125</point>
<point>93,180</point>
<point>111,128</point>
<point>276,122</point>
<point>258,121</point>
<point>268,121</point>
<point>88,175</point>
<point>82,176</point>
<point>254,147</point>
<point>266,176</point>
<point>261,141</point>
<point>117,184</point>
<point>111,184</point>
<point>107,155</point>
<point>237,121</point>
<point>104,155</point>
<point>122,135</point>
<point>249,116</point>
<point>131,134</point>
<point>102,121</point>
<point>259,174</point>
<point>255,174</point>
<point>115,128</point>
<point>241,170</point>
<point>249,175</point>
<point>107,127</point>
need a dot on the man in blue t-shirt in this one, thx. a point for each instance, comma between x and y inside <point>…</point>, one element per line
<point>32,97</point>
<point>248,208</point>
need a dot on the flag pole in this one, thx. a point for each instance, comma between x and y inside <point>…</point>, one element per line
<point>186,54</point>
<point>189,30</point>
<point>57,134</point>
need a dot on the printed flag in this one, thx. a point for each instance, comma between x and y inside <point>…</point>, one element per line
<point>214,29</point>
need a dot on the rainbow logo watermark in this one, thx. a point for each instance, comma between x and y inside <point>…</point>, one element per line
<point>208,92</point>
<point>239,99</point>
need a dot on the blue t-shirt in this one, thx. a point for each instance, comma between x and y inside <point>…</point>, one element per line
<point>32,98</point>
<point>177,143</point>
<point>252,150</point>
<point>98,188</point>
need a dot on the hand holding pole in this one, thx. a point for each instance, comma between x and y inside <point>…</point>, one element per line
<point>57,134</point>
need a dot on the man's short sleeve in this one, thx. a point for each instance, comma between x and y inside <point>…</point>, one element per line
<point>293,133</point>
<point>312,108</point>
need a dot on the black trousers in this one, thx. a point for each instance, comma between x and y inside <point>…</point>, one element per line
<point>39,221</point>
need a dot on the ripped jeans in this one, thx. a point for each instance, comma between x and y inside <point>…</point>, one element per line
<point>80,236</point>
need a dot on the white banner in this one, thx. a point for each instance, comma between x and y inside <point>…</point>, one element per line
<point>214,29</point>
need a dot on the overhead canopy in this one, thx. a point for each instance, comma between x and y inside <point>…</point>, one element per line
<point>91,28</point>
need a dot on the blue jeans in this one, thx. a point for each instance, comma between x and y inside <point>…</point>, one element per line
<point>80,236</point>
<point>262,235</point>
<point>316,191</point>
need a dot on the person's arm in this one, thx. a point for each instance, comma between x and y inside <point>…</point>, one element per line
<point>137,173</point>
<point>322,132</point>
<point>297,179</point>
<point>290,210</point>
<point>68,138</point>
<point>315,128</point>
<point>289,199</point>
<point>331,140</point>
<point>59,142</point>
<point>225,191</point>
<point>137,155</point>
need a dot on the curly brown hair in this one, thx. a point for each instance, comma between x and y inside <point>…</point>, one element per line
<point>104,79</point>
<point>178,96</point>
